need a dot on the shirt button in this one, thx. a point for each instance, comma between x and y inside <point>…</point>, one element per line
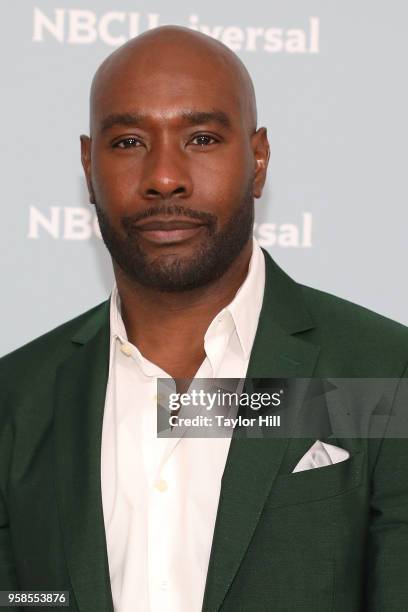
<point>161,485</point>
<point>126,349</point>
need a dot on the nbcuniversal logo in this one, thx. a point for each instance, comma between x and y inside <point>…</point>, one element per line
<point>85,27</point>
<point>76,223</point>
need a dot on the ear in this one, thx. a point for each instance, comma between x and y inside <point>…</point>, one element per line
<point>260,149</point>
<point>86,164</point>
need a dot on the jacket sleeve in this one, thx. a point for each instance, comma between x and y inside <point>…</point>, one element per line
<point>387,562</point>
<point>8,577</point>
<point>8,574</point>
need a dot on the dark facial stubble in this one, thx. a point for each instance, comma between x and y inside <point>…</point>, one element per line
<point>216,252</point>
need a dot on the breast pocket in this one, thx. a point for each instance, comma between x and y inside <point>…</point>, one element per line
<point>317,483</point>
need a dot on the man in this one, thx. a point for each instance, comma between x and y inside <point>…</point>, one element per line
<point>91,502</point>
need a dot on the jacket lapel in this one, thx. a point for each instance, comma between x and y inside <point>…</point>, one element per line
<point>80,396</point>
<point>253,464</point>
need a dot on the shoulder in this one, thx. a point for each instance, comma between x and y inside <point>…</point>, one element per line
<point>376,345</point>
<point>49,349</point>
<point>328,320</point>
<point>331,312</point>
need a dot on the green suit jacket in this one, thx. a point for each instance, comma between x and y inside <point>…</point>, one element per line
<point>328,539</point>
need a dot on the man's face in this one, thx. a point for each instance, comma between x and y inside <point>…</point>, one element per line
<point>173,172</point>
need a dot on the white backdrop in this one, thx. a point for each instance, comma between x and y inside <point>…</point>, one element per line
<point>331,87</point>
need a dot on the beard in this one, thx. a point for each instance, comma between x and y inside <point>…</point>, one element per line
<point>215,253</point>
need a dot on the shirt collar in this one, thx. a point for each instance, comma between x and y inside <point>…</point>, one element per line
<point>246,305</point>
<point>117,327</point>
<point>244,309</point>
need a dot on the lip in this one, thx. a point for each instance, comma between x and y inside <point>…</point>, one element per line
<point>166,223</point>
<point>169,231</point>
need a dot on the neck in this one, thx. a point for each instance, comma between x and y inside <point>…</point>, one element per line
<point>156,320</point>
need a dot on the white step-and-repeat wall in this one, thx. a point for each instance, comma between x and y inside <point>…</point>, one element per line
<point>332,86</point>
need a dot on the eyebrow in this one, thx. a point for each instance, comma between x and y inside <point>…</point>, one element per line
<point>214,116</point>
<point>190,117</point>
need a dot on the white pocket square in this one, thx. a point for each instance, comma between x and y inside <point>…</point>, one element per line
<point>321,454</point>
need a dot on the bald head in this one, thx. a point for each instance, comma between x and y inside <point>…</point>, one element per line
<point>177,54</point>
<point>174,136</point>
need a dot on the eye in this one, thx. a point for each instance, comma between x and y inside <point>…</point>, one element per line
<point>203,140</point>
<point>127,143</point>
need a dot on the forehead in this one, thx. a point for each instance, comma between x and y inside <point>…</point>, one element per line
<point>166,87</point>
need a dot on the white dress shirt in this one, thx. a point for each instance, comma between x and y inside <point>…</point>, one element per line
<point>160,496</point>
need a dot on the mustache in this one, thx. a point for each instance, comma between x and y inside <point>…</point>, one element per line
<point>173,210</point>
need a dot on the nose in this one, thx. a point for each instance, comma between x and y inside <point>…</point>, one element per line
<point>165,173</point>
